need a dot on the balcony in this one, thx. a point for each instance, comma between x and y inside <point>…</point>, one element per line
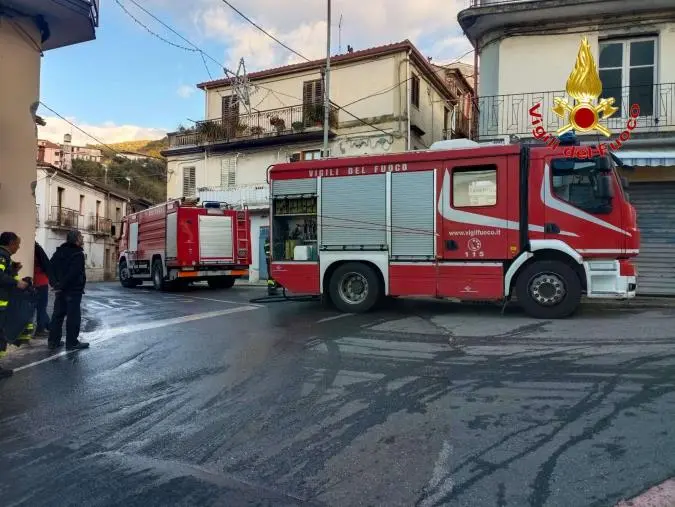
<point>68,22</point>
<point>506,115</point>
<point>64,218</point>
<point>483,17</point>
<point>252,196</point>
<point>99,226</point>
<point>257,129</point>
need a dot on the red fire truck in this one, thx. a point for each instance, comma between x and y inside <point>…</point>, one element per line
<point>463,220</point>
<point>181,241</point>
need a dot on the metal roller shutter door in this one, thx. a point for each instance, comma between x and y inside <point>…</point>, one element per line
<point>353,212</point>
<point>655,207</point>
<point>412,214</point>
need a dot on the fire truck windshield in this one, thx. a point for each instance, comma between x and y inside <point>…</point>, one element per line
<point>587,184</point>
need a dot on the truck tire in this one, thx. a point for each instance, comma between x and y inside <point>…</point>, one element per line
<point>221,282</point>
<point>125,277</point>
<point>548,290</point>
<point>354,288</point>
<point>158,276</point>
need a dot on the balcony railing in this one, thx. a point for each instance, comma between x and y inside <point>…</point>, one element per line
<point>254,195</point>
<point>64,218</point>
<point>504,115</point>
<point>99,226</point>
<point>269,123</point>
<point>490,3</point>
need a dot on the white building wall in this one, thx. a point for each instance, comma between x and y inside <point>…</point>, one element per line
<point>46,196</point>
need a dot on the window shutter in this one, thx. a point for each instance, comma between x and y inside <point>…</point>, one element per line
<point>228,173</point>
<point>189,182</point>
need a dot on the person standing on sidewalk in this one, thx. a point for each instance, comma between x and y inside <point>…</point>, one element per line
<point>9,274</point>
<point>41,270</point>
<point>68,280</point>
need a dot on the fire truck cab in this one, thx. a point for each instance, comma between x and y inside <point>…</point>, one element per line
<point>463,220</point>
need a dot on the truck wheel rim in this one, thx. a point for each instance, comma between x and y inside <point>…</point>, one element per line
<point>547,289</point>
<point>353,288</point>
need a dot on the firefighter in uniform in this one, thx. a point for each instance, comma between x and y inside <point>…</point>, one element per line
<point>271,284</point>
<point>9,279</point>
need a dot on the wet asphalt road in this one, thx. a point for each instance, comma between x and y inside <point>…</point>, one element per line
<point>201,398</point>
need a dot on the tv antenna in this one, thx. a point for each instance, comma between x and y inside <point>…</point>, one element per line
<point>242,86</point>
<point>340,35</point>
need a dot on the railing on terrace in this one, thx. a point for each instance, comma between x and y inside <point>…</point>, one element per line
<point>269,123</point>
<point>99,225</point>
<point>490,3</point>
<point>503,115</point>
<point>64,218</point>
<point>257,194</point>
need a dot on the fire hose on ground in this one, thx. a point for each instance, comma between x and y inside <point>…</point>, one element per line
<point>283,297</point>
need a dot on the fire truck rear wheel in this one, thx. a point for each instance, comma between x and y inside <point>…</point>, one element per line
<point>549,290</point>
<point>158,275</point>
<point>355,288</point>
<point>221,282</point>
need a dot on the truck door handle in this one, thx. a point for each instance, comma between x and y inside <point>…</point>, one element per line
<point>551,228</point>
<point>450,244</point>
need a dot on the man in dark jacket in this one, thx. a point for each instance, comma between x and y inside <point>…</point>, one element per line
<point>68,281</point>
<point>9,281</point>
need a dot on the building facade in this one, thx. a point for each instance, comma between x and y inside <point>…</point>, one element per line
<point>27,30</point>
<point>383,100</point>
<point>527,49</point>
<point>67,202</point>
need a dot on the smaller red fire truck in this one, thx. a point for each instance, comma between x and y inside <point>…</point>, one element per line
<point>181,241</point>
<point>461,221</point>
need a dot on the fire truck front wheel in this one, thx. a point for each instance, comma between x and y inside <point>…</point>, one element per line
<point>355,288</point>
<point>548,289</point>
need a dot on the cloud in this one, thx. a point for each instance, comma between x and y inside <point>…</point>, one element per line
<point>301,24</point>
<point>185,91</point>
<point>107,133</point>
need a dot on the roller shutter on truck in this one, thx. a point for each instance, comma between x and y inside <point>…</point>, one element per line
<point>655,207</point>
<point>353,212</point>
<point>412,214</point>
<point>215,237</point>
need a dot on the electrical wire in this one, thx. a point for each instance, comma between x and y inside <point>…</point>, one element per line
<point>264,31</point>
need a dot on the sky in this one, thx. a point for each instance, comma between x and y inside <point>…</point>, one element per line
<point>130,85</point>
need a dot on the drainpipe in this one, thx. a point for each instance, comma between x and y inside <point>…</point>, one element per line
<point>402,89</point>
<point>474,106</point>
<point>409,98</point>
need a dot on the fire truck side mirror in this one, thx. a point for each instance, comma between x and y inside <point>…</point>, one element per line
<point>605,187</point>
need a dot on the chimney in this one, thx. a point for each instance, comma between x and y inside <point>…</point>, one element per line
<point>67,153</point>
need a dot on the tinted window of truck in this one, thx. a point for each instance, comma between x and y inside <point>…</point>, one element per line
<point>578,182</point>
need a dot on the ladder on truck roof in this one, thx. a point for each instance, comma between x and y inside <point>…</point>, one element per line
<point>242,231</point>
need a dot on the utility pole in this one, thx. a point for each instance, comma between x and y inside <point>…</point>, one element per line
<point>326,91</point>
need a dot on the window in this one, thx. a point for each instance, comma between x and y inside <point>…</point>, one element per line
<point>312,102</point>
<point>577,182</point>
<point>189,182</point>
<point>474,186</point>
<point>415,91</point>
<point>628,73</point>
<point>311,155</point>
<point>230,110</point>
<point>228,173</point>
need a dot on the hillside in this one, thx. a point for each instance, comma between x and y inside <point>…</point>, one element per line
<point>150,148</point>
